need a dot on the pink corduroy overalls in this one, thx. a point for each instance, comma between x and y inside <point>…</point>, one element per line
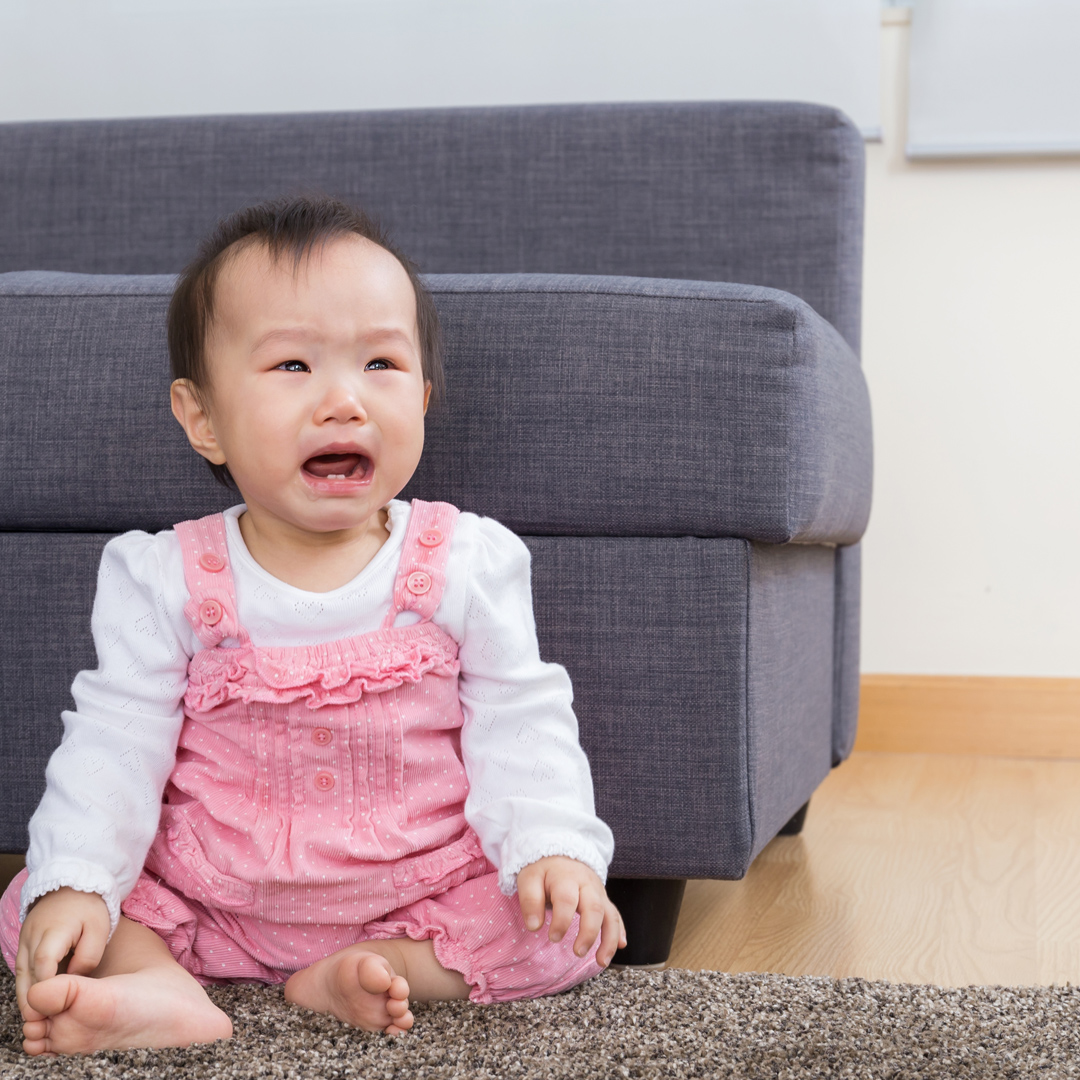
<point>318,796</point>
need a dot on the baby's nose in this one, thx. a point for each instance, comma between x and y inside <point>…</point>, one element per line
<point>342,402</point>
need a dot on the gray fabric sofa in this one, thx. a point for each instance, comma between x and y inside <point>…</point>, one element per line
<point>652,329</point>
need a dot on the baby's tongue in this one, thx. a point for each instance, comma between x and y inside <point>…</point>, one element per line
<point>333,464</point>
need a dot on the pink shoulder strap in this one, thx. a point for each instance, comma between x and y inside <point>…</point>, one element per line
<point>421,575</point>
<point>211,609</point>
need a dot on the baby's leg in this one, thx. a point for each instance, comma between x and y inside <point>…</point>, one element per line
<point>481,933</point>
<point>138,996</point>
<point>369,984</point>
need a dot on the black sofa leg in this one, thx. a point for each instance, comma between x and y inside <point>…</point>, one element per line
<point>650,910</point>
<point>798,820</point>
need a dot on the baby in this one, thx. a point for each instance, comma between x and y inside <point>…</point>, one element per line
<point>320,747</point>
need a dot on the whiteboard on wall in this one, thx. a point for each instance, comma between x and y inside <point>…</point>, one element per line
<point>994,77</point>
<point>103,58</point>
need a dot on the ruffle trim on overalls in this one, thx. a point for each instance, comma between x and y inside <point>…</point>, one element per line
<point>337,673</point>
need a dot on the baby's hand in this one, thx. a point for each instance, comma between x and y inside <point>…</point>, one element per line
<point>59,922</point>
<point>569,886</point>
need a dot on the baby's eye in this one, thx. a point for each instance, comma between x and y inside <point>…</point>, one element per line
<point>377,365</point>
<point>293,365</point>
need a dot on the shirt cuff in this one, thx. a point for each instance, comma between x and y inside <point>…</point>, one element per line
<point>529,849</point>
<point>75,874</point>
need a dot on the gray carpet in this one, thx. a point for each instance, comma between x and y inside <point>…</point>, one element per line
<point>628,1024</point>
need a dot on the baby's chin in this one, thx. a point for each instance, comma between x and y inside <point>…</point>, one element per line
<point>314,511</point>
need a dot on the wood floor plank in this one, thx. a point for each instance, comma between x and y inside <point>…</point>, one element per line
<point>948,869</point>
<point>1057,850</point>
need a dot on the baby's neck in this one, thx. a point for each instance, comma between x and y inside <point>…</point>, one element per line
<point>314,562</point>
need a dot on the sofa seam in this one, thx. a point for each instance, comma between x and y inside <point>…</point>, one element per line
<point>751,816</point>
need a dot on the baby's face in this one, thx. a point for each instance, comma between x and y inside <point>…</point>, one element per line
<point>317,396</point>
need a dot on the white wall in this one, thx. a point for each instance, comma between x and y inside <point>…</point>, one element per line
<point>972,351</point>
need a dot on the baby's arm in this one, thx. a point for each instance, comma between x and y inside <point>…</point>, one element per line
<point>571,888</point>
<point>58,923</point>
<point>102,798</point>
<point>530,797</point>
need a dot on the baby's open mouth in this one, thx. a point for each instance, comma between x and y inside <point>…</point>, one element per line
<point>338,466</point>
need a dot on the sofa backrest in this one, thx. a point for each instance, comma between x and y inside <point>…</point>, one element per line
<point>756,193</point>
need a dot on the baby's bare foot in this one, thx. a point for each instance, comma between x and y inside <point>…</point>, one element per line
<point>151,1008</point>
<point>356,985</point>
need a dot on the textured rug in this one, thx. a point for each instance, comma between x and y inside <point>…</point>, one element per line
<point>627,1024</point>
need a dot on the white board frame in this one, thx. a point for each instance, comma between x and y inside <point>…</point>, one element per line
<point>994,77</point>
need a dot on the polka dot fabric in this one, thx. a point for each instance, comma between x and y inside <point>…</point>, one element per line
<point>318,796</point>
<point>475,930</point>
<point>478,931</point>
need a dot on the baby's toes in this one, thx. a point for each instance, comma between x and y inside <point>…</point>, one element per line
<point>374,974</point>
<point>399,988</point>
<point>396,1007</point>
<point>38,1043</point>
<point>400,1025</point>
<point>55,995</point>
<point>35,1029</point>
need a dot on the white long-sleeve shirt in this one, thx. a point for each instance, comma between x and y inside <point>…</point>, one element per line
<point>530,788</point>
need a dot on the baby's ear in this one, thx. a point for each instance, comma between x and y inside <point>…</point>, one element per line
<point>190,412</point>
<point>427,395</point>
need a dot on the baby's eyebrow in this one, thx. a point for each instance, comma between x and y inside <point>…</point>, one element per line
<point>288,334</point>
<point>388,334</point>
<point>298,333</point>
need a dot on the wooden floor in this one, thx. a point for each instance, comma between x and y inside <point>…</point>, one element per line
<point>937,868</point>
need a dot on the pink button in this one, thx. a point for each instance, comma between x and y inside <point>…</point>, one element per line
<point>212,561</point>
<point>431,538</point>
<point>324,781</point>
<point>418,582</point>
<point>210,612</point>
<point>321,736</point>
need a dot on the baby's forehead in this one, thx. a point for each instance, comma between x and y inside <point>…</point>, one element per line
<point>255,257</point>
<point>255,281</point>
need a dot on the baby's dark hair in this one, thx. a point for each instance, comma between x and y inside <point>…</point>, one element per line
<point>293,227</point>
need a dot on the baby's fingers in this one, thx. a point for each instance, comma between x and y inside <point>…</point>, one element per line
<point>591,910</point>
<point>565,895</point>
<point>89,950</point>
<point>531,897</point>
<point>612,936</point>
<point>23,982</point>
<point>51,948</point>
